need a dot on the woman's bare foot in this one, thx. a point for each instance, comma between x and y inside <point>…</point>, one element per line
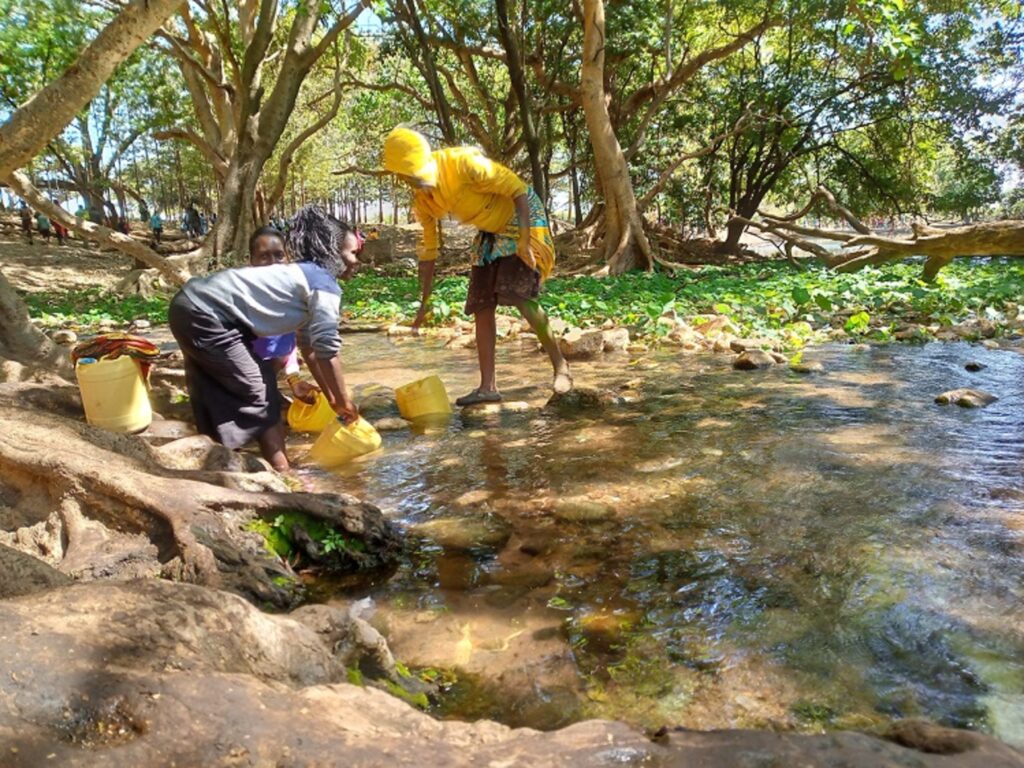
<point>563,381</point>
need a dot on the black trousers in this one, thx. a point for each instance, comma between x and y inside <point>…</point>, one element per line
<point>233,393</point>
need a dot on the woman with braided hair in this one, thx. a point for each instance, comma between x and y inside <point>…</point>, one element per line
<point>215,319</point>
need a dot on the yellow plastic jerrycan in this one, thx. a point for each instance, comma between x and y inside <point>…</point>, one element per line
<point>305,417</point>
<point>339,443</point>
<point>114,394</point>
<point>426,397</point>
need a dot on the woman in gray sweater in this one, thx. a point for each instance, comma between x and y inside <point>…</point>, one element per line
<point>215,319</point>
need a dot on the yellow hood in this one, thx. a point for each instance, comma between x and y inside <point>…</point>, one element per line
<point>407,153</point>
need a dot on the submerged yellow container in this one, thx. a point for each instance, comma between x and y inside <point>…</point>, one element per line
<point>305,417</point>
<point>114,394</point>
<point>339,443</point>
<point>426,397</point>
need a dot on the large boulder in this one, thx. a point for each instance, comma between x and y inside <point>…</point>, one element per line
<point>578,344</point>
<point>616,339</point>
<point>157,673</point>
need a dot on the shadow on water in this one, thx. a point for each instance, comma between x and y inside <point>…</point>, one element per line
<point>727,549</point>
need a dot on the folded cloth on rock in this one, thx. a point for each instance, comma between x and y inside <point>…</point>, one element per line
<point>113,345</point>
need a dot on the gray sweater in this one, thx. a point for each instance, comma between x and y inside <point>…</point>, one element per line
<point>274,300</point>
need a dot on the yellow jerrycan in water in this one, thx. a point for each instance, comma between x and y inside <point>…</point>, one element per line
<point>114,394</point>
<point>426,397</point>
<point>306,417</point>
<point>339,443</point>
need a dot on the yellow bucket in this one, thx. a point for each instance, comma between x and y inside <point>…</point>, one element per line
<point>426,397</point>
<point>339,443</point>
<point>114,394</point>
<point>303,417</point>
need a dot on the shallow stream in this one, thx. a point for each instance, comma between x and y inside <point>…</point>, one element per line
<point>726,549</point>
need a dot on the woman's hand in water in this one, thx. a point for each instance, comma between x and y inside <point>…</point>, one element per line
<point>304,391</point>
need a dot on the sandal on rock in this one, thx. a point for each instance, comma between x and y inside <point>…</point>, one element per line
<point>563,383</point>
<point>477,397</point>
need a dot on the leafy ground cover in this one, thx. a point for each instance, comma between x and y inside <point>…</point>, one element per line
<point>772,299</point>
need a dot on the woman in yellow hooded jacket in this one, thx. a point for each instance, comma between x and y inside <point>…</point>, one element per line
<point>513,251</point>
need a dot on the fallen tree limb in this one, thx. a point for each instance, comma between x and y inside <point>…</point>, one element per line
<point>863,247</point>
<point>126,244</point>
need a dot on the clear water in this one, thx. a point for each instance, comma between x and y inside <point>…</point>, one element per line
<point>728,549</point>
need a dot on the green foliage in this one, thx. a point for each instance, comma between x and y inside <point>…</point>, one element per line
<point>768,299</point>
<point>279,538</point>
<point>812,713</point>
<point>965,183</point>
<point>89,307</point>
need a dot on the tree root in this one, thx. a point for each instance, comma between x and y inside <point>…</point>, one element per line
<point>121,513</point>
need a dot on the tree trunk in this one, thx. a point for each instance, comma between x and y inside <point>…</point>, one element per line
<point>518,77</point>
<point>20,340</point>
<point>35,123</point>
<point>625,243</point>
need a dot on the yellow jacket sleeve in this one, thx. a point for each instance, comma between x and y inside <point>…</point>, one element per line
<point>427,250</point>
<point>488,177</point>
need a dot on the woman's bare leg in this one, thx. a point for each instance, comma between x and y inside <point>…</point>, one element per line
<point>272,447</point>
<point>486,338</point>
<point>538,321</point>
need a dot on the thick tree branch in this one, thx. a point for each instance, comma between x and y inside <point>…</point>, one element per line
<point>34,124</point>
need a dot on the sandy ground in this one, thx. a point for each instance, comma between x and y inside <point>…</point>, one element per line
<point>46,268</point>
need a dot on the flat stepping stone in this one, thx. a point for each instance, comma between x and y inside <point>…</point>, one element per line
<point>505,406</point>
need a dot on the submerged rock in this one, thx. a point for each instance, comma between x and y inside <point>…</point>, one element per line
<point>505,406</point>
<point>460,534</point>
<point>966,398</point>
<point>807,368</point>
<point>578,510</point>
<point>390,424</point>
<point>158,673</point>
<point>752,360</point>
<point>974,366</point>
<point>583,398</point>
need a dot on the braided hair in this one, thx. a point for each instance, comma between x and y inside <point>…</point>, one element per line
<point>316,236</point>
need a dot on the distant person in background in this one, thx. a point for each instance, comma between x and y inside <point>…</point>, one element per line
<point>26,222</point>
<point>156,224</point>
<point>202,224</point>
<point>43,225</point>
<point>192,223</point>
<point>61,232</point>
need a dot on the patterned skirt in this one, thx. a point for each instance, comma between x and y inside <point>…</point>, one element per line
<point>488,247</point>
